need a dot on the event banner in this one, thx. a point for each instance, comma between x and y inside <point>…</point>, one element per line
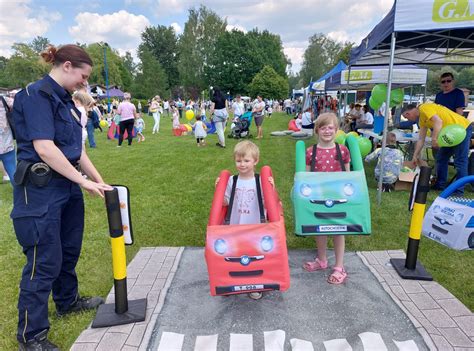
<point>378,75</point>
<point>433,14</point>
<point>427,56</point>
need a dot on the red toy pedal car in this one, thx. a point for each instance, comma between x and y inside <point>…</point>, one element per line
<point>247,258</point>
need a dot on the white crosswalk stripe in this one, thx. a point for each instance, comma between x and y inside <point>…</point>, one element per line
<point>206,343</point>
<point>372,342</point>
<point>275,341</point>
<point>171,342</point>
<point>241,342</point>
<point>301,345</point>
<point>337,345</point>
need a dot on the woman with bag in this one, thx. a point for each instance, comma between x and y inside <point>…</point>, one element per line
<point>219,113</point>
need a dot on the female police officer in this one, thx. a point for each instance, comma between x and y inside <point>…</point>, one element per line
<point>48,211</point>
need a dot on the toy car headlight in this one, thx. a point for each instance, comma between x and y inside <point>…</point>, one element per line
<point>348,189</point>
<point>220,246</point>
<point>305,190</point>
<point>267,243</point>
<point>459,217</point>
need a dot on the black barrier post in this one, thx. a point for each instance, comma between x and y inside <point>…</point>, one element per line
<point>122,311</point>
<point>409,268</point>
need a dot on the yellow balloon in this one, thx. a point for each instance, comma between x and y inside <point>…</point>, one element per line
<point>189,115</point>
<point>188,126</point>
<point>103,123</point>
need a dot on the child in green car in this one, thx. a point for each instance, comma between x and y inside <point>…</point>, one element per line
<point>327,156</point>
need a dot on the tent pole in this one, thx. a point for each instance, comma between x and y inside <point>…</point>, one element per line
<point>387,114</point>
<point>347,90</point>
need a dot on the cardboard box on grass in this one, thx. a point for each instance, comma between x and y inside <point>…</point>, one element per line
<point>406,179</point>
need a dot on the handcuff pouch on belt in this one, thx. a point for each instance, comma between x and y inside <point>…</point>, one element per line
<point>39,174</point>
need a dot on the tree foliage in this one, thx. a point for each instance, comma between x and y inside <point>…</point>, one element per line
<point>197,46</point>
<point>268,84</point>
<point>162,42</point>
<point>151,79</point>
<point>320,56</point>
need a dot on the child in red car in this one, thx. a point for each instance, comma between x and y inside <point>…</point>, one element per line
<point>329,157</point>
<point>245,204</point>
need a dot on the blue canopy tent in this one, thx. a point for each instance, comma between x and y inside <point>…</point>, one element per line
<point>437,32</point>
<point>319,85</point>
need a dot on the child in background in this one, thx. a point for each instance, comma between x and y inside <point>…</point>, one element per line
<point>269,111</point>
<point>83,102</point>
<point>140,125</point>
<point>200,131</point>
<point>393,162</point>
<point>330,157</point>
<point>175,114</point>
<point>203,112</point>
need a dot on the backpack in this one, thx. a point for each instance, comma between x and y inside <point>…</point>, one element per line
<point>9,114</point>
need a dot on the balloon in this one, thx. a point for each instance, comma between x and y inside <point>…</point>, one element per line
<point>379,93</point>
<point>375,106</point>
<point>365,146</point>
<point>188,127</point>
<point>396,97</point>
<point>340,137</point>
<point>189,115</point>
<point>451,135</point>
<point>103,123</point>
<point>353,133</point>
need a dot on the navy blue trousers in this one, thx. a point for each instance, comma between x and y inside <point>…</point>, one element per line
<point>49,225</point>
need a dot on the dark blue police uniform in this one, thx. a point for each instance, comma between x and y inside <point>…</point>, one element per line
<point>48,220</point>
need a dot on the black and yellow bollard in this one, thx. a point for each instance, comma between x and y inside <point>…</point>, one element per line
<point>122,311</point>
<point>409,268</point>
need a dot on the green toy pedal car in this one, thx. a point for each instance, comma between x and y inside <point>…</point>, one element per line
<point>332,203</point>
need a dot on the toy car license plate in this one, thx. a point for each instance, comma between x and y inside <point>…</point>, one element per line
<point>248,287</point>
<point>332,228</point>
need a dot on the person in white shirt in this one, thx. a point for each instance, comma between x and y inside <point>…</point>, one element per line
<point>366,122</point>
<point>238,107</point>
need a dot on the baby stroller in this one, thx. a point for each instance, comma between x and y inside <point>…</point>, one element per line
<point>240,126</point>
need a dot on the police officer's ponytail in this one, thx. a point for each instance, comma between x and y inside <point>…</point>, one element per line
<point>72,53</point>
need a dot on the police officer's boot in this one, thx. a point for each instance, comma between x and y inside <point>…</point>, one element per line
<point>82,304</point>
<point>39,342</point>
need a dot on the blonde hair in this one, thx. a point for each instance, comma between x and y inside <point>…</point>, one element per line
<point>325,119</point>
<point>83,98</point>
<point>245,148</point>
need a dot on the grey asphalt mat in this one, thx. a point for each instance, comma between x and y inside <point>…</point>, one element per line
<point>359,312</point>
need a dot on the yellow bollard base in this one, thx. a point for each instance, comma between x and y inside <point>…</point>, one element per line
<point>106,316</point>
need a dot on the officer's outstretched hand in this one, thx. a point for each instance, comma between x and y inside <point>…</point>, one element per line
<point>94,188</point>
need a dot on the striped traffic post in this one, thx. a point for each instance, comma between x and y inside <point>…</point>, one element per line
<point>122,311</point>
<point>410,268</point>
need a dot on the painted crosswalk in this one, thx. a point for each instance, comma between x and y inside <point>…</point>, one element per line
<point>275,341</point>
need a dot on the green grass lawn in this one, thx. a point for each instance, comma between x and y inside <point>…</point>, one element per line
<point>171,182</point>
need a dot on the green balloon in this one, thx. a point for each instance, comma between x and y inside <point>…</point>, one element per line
<point>379,93</point>
<point>365,146</point>
<point>375,106</point>
<point>341,139</point>
<point>396,97</point>
<point>451,135</point>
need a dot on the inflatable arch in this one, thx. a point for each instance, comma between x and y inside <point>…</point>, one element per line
<point>331,204</point>
<point>249,257</point>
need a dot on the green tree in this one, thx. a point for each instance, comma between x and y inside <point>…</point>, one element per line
<point>268,84</point>
<point>151,79</point>
<point>24,66</point>
<point>197,47</point>
<point>321,55</point>
<point>238,57</point>
<point>39,43</point>
<point>114,63</point>
<point>162,42</point>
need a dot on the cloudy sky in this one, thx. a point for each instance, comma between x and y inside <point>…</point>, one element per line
<point>120,22</point>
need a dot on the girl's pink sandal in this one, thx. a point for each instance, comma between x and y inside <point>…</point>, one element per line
<point>316,265</point>
<point>338,276</point>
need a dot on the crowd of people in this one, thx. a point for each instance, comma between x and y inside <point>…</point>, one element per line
<point>54,118</point>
